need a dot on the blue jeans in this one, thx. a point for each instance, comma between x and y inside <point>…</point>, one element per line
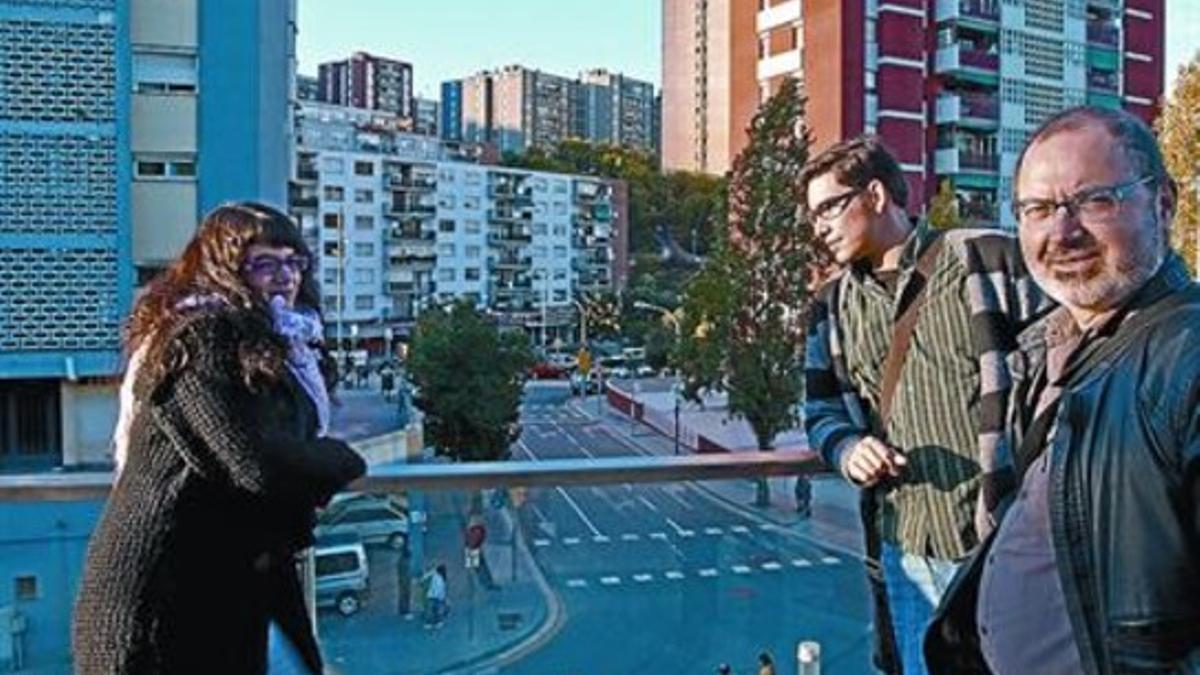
<point>915,585</point>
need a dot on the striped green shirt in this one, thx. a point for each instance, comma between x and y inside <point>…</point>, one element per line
<point>930,509</point>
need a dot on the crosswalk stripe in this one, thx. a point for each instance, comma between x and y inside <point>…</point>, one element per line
<point>801,562</point>
<point>830,560</point>
<point>740,569</point>
<point>630,537</point>
<point>658,535</point>
<point>740,529</point>
<point>610,581</point>
<point>577,583</point>
<point>708,572</point>
<point>541,542</point>
<point>766,526</point>
<point>570,541</point>
<point>601,539</point>
<point>674,575</point>
<point>687,533</point>
<point>713,531</point>
<point>643,578</point>
<point>772,566</point>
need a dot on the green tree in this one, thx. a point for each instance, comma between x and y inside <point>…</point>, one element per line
<point>744,315</point>
<point>470,378</point>
<point>1179,135</point>
<point>943,209</point>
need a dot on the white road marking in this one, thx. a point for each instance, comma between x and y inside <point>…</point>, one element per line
<point>740,569</point>
<point>766,527</point>
<point>610,581</point>
<point>679,530</point>
<point>643,578</point>
<point>650,505</point>
<point>659,535</point>
<point>801,562</point>
<point>830,560</point>
<point>576,583</point>
<point>674,575</point>
<point>540,543</point>
<point>629,536</point>
<point>579,512</point>
<point>713,531</point>
<point>601,539</point>
<point>707,572</point>
<point>740,529</point>
<point>570,541</point>
<point>772,566</point>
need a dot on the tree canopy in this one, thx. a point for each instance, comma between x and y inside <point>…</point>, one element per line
<point>469,378</point>
<point>1179,136</point>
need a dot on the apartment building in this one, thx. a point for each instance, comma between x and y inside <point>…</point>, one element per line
<point>401,223</point>
<point>121,122</point>
<point>953,87</point>
<point>369,82</point>
<point>516,108</point>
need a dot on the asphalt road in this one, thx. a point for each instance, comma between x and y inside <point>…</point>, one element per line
<point>667,578</point>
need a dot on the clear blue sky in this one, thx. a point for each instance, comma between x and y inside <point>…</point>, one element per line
<point>447,39</point>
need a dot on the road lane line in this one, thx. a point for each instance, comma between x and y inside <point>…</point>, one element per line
<point>713,531</point>
<point>601,539</point>
<point>801,562</point>
<point>650,505</point>
<point>740,529</point>
<point>679,530</point>
<point>629,536</point>
<point>570,541</point>
<point>772,566</point>
<point>579,512</point>
<point>577,583</point>
<point>830,560</point>
<point>541,543</point>
<point>643,578</point>
<point>708,572</point>
<point>674,575</point>
<point>662,536</point>
<point>610,581</point>
<point>740,569</point>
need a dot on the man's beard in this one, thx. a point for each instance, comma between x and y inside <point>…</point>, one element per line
<point>1112,283</point>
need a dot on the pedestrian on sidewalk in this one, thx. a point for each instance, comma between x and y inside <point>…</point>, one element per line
<point>724,669</point>
<point>435,597</point>
<point>404,583</point>
<point>222,466</point>
<point>906,380</point>
<point>766,664</point>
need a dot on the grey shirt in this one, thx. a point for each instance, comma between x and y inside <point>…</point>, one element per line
<point>1022,615</point>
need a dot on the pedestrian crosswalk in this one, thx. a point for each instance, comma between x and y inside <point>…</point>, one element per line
<point>660,536</point>
<point>552,412</point>
<point>733,570</point>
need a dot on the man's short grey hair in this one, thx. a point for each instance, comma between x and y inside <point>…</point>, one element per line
<point>1136,139</point>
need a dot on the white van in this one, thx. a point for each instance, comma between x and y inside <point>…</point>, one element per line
<point>340,569</point>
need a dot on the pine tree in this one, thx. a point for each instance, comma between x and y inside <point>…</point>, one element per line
<point>1179,136</point>
<point>745,313</point>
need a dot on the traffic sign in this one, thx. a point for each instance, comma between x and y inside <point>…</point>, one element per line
<point>584,359</point>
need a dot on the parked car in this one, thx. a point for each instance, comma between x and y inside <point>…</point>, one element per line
<point>371,519</point>
<point>645,371</point>
<point>544,370</point>
<point>341,573</point>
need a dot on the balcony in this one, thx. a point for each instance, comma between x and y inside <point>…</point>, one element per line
<point>982,13</point>
<point>955,160</point>
<point>969,62</point>
<point>509,235</point>
<point>408,183</point>
<point>969,109</point>
<point>511,262</point>
<point>306,173</point>
<point>412,233</point>
<point>403,204</point>
<point>509,216</point>
<point>780,14</point>
<point>783,63</point>
<point>1103,34</point>
<point>402,254</point>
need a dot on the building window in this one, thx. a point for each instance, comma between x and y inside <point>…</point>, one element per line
<point>330,302</point>
<point>446,274</point>
<point>30,423</point>
<point>334,193</point>
<point>364,302</point>
<point>364,196</point>
<point>364,249</point>
<point>445,226</point>
<point>446,175</point>
<point>471,251</point>
<point>333,165</point>
<point>538,228</point>
<point>474,178</point>
<point>473,227</point>
<point>163,168</point>
<point>364,168</point>
<point>25,588</point>
<point>471,203</point>
<point>471,274</point>
<point>332,221</point>
<point>446,201</point>
<point>164,73</point>
<point>560,187</point>
<point>445,250</point>
<point>560,274</point>
<point>331,249</point>
<point>560,295</point>
<point>362,276</point>
<point>364,222</point>
<point>560,230</point>
<point>560,251</point>
<point>331,275</point>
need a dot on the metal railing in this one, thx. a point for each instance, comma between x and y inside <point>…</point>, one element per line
<point>479,475</point>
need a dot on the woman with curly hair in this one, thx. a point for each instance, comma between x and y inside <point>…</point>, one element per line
<point>223,461</point>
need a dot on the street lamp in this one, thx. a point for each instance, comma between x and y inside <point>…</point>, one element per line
<point>667,315</point>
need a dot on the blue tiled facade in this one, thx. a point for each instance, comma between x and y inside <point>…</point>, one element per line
<point>451,113</point>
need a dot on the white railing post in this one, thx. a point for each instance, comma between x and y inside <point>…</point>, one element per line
<point>808,658</point>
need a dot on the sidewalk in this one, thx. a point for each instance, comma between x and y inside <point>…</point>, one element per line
<point>834,522</point>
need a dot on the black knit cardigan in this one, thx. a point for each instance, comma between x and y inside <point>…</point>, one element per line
<point>194,554</point>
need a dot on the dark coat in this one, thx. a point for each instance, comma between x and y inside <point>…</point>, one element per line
<point>1125,493</point>
<point>194,555</point>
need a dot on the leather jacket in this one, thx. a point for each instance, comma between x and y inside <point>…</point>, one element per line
<point>1124,490</point>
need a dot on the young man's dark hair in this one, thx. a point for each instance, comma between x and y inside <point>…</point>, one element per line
<point>857,162</point>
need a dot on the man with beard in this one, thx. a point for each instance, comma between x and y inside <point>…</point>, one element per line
<point>1095,566</point>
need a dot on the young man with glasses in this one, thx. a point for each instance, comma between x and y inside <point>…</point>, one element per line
<point>917,427</point>
<point>1094,567</point>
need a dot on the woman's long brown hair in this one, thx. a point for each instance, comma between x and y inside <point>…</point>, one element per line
<point>209,271</point>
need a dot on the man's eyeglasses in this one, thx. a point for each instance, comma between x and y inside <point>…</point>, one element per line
<point>269,265</point>
<point>1095,204</point>
<point>834,206</point>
